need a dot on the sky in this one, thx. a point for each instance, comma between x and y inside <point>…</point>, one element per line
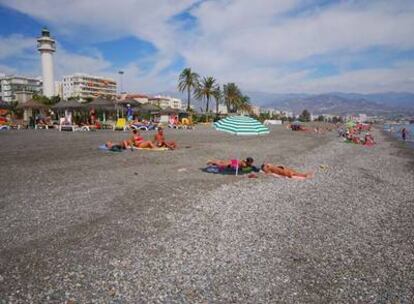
<point>273,46</point>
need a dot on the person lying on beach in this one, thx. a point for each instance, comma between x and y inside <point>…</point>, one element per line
<point>369,140</point>
<point>281,171</point>
<point>117,147</point>
<point>356,140</point>
<point>248,162</point>
<point>139,142</point>
<point>159,140</point>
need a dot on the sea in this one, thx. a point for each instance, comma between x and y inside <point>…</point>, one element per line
<point>395,130</point>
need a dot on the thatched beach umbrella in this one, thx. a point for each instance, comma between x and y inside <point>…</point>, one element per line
<point>147,108</point>
<point>101,104</point>
<point>170,110</point>
<point>68,105</point>
<point>32,105</point>
<point>128,101</point>
<point>241,125</point>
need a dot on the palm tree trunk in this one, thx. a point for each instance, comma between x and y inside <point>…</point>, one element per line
<point>207,102</point>
<point>217,107</point>
<point>188,98</point>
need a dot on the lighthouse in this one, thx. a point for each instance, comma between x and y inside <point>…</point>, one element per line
<point>46,47</point>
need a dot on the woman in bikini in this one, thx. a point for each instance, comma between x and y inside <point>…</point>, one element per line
<point>139,142</point>
<point>281,171</point>
<point>159,140</point>
<point>228,163</point>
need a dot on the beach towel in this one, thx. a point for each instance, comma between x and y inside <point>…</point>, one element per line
<point>229,171</point>
<point>152,149</point>
<point>115,149</point>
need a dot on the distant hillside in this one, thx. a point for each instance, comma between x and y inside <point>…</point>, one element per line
<point>320,104</point>
<point>339,103</point>
<point>335,102</point>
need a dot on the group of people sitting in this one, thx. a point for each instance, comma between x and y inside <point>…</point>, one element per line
<point>267,168</point>
<point>137,141</point>
<point>353,135</point>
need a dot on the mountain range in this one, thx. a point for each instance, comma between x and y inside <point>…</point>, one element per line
<point>333,103</point>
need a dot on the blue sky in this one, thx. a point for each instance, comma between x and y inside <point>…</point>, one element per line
<point>286,46</point>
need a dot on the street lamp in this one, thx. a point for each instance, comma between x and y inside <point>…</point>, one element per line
<point>121,73</point>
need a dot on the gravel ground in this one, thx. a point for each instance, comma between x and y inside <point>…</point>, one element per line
<point>83,226</point>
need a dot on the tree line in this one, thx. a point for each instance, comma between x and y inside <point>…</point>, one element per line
<point>207,88</point>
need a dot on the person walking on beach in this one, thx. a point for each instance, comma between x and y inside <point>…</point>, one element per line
<point>404,133</point>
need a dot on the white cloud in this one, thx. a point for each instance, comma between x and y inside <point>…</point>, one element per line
<point>15,45</point>
<point>248,42</point>
<point>23,49</point>
<point>398,78</point>
<point>68,63</point>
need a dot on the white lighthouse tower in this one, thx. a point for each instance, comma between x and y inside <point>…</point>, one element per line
<point>46,47</point>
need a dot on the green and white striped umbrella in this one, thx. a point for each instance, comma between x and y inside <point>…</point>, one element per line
<point>241,125</point>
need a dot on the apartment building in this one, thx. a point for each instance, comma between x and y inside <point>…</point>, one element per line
<point>141,98</point>
<point>19,88</point>
<point>166,102</point>
<point>85,86</point>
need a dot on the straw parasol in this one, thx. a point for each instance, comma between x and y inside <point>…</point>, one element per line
<point>147,108</point>
<point>32,105</point>
<point>101,104</point>
<point>241,125</point>
<point>129,101</point>
<point>68,105</point>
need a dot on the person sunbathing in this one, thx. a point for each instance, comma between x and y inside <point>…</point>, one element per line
<point>369,140</point>
<point>248,162</point>
<point>282,171</point>
<point>159,140</point>
<point>117,147</point>
<point>139,142</point>
<point>356,140</point>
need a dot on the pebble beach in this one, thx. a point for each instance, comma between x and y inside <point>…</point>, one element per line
<point>79,225</point>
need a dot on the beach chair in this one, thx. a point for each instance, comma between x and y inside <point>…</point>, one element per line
<point>66,125</point>
<point>121,124</point>
<point>4,127</point>
<point>187,123</point>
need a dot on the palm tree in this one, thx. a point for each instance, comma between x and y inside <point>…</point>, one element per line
<point>206,90</point>
<point>218,97</point>
<point>244,104</point>
<point>187,81</point>
<point>231,96</point>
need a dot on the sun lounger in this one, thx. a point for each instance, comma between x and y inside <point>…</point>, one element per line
<point>4,127</point>
<point>141,127</point>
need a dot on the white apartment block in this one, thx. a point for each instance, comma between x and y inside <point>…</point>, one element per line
<point>141,98</point>
<point>84,86</point>
<point>222,109</point>
<point>19,88</point>
<point>166,102</point>
<point>59,89</point>
<point>271,111</point>
<point>255,110</point>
